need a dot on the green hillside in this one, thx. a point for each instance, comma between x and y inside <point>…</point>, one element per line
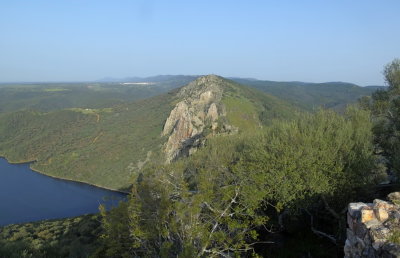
<point>310,96</point>
<point>248,108</point>
<point>99,146</point>
<point>106,146</point>
<point>69,237</point>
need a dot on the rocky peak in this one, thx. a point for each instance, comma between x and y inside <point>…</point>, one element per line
<point>199,108</point>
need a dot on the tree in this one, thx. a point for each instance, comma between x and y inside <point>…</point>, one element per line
<point>214,202</point>
<point>385,108</point>
<point>392,76</point>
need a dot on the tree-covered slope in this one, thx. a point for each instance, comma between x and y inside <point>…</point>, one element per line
<point>98,146</point>
<point>70,237</point>
<point>310,96</point>
<point>107,146</point>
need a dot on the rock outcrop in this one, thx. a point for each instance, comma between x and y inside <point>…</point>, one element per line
<point>374,228</point>
<point>200,108</point>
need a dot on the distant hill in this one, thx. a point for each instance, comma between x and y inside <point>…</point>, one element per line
<point>110,91</point>
<point>107,146</point>
<point>309,96</point>
<point>56,96</point>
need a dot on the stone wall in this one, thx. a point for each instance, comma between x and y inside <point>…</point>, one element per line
<point>374,228</point>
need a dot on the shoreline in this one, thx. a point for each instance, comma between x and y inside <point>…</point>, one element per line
<point>57,177</point>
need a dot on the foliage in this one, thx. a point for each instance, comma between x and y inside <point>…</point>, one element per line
<point>72,237</point>
<point>311,96</point>
<point>395,237</point>
<point>199,206</point>
<point>98,146</point>
<point>385,107</point>
<point>320,154</point>
<point>215,202</point>
<point>106,146</point>
<point>249,109</point>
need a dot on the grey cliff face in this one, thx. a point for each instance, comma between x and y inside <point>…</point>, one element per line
<point>199,109</point>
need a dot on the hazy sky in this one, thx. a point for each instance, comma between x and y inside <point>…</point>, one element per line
<point>316,41</point>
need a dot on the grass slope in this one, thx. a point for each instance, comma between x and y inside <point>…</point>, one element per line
<point>248,108</point>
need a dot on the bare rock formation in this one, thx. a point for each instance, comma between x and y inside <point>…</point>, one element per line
<point>199,109</point>
<point>374,228</point>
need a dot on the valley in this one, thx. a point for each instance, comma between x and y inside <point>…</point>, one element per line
<point>107,146</point>
<point>209,143</point>
<point>196,129</point>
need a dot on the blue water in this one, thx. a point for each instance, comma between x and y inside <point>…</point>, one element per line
<point>29,196</point>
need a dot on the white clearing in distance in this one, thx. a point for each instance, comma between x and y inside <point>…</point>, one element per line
<point>137,83</point>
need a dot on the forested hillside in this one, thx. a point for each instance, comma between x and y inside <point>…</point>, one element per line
<point>107,146</point>
<point>311,96</point>
<point>214,169</point>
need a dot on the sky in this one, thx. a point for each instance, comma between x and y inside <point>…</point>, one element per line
<point>312,41</point>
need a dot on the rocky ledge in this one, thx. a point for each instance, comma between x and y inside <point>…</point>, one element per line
<point>197,114</point>
<point>374,228</point>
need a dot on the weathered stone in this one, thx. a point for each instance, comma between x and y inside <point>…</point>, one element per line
<point>379,233</point>
<point>367,214</point>
<point>370,225</point>
<point>350,235</point>
<point>348,249</point>
<point>378,244</point>
<point>373,223</point>
<point>212,112</point>
<point>381,214</point>
<point>382,209</point>
<point>360,229</point>
<point>354,209</point>
<point>383,205</point>
<point>350,221</point>
<point>395,214</point>
<point>391,250</point>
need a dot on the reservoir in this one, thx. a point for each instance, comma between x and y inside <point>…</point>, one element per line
<point>27,196</point>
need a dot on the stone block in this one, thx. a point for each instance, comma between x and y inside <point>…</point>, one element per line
<point>350,235</point>
<point>373,223</point>
<point>379,233</point>
<point>354,209</point>
<point>383,205</point>
<point>381,214</point>
<point>350,221</point>
<point>360,230</point>
<point>395,214</point>
<point>367,214</point>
